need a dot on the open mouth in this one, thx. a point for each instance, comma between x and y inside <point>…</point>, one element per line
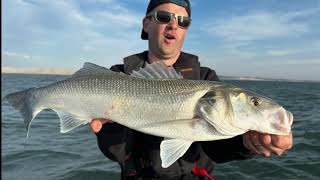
<point>169,38</point>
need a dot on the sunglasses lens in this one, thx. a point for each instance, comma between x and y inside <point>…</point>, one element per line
<point>184,21</point>
<point>163,16</point>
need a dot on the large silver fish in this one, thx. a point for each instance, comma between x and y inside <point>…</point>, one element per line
<point>155,100</point>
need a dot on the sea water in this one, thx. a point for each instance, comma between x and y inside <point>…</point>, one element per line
<point>48,154</point>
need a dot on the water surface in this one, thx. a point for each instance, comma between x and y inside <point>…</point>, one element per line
<point>47,154</point>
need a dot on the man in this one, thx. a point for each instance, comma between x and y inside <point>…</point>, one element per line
<point>165,26</point>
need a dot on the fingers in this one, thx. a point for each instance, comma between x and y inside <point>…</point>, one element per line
<point>256,141</point>
<point>96,124</point>
<point>248,143</point>
<point>279,144</point>
<point>266,144</point>
<point>266,141</point>
<point>283,142</point>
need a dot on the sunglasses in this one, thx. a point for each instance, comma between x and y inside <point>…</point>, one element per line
<point>164,17</point>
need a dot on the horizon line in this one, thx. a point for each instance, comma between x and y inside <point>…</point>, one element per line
<point>70,71</point>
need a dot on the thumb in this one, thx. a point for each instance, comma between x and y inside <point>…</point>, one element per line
<point>96,124</point>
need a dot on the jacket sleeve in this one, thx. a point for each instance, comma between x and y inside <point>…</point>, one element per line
<point>114,140</point>
<point>227,149</point>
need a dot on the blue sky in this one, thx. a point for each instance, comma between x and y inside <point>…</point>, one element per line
<point>265,38</point>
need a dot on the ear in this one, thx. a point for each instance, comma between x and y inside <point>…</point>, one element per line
<point>146,23</point>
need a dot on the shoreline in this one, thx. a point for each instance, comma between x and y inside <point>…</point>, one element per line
<point>66,71</point>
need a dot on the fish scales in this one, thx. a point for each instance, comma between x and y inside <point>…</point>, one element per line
<point>182,111</point>
<point>125,99</point>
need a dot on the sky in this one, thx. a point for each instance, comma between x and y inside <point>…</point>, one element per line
<point>263,38</point>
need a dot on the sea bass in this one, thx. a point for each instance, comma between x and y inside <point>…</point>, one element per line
<point>155,100</point>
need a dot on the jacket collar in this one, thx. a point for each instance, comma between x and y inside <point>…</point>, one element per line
<point>187,64</point>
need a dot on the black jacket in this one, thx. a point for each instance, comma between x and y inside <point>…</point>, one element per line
<point>138,153</point>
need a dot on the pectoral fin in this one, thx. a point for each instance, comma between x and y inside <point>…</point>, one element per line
<point>172,149</point>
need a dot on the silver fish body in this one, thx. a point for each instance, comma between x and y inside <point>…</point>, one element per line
<point>141,104</point>
<point>183,111</point>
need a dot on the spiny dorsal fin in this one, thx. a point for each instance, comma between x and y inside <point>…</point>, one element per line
<point>92,69</point>
<point>157,70</point>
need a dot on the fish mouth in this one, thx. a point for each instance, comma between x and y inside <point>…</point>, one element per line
<point>290,117</point>
<point>282,121</point>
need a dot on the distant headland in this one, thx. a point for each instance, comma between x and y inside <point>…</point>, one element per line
<point>34,70</point>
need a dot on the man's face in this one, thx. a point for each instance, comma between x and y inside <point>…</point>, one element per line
<point>166,40</point>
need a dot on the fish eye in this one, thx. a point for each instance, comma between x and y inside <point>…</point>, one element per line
<point>255,101</point>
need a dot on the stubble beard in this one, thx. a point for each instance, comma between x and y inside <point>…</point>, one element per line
<point>168,51</point>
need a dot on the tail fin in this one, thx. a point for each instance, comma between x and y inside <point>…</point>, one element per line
<point>22,101</point>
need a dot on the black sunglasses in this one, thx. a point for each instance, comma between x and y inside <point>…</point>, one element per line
<point>164,17</point>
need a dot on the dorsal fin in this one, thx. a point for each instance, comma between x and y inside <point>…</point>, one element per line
<point>157,70</point>
<point>92,69</point>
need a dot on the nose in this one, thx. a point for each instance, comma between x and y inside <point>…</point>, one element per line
<point>173,23</point>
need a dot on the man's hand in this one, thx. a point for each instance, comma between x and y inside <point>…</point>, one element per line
<point>96,124</point>
<point>266,144</point>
